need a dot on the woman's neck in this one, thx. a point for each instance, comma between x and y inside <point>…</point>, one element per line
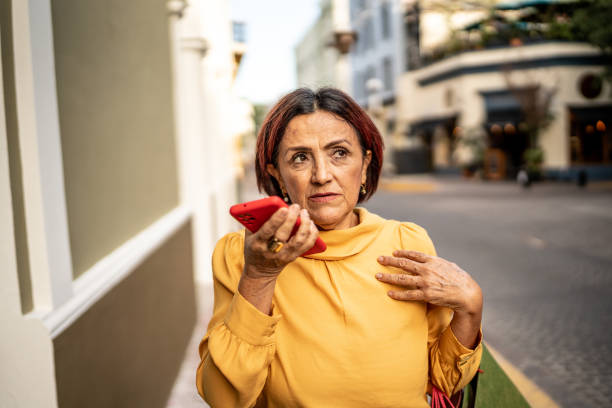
<point>352,218</point>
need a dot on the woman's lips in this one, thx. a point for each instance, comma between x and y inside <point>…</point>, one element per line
<point>323,197</point>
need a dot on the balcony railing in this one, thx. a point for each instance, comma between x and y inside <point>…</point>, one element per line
<point>546,21</point>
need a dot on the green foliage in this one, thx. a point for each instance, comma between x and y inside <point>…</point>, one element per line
<point>560,30</point>
<point>469,151</point>
<point>259,113</point>
<point>534,157</point>
<point>591,23</point>
<point>494,388</point>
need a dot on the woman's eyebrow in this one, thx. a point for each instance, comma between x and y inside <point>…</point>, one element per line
<point>327,146</point>
<point>337,142</point>
<point>300,148</point>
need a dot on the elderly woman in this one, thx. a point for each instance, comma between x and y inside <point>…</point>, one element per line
<point>369,322</point>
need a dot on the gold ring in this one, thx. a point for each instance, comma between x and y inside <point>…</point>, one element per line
<point>275,245</point>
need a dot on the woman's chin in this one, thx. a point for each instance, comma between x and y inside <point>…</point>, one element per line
<point>327,219</point>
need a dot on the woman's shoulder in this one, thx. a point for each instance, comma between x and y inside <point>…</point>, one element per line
<point>415,238</point>
<point>228,258</point>
<point>231,243</point>
<point>411,236</point>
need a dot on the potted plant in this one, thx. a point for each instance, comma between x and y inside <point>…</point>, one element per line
<point>469,150</point>
<point>533,158</point>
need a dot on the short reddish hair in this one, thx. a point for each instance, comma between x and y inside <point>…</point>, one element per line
<point>304,101</point>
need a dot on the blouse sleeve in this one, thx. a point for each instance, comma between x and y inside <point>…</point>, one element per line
<point>237,350</point>
<point>451,364</point>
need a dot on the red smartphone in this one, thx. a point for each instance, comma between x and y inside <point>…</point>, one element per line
<point>253,214</point>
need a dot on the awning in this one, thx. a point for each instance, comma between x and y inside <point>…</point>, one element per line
<point>592,114</point>
<point>430,124</point>
<point>516,5</point>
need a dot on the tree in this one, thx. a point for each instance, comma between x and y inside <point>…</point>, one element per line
<point>535,101</point>
<point>591,23</point>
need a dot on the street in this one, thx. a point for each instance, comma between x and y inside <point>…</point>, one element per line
<point>543,258</point>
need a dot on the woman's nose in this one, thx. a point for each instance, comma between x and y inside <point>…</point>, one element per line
<point>321,173</point>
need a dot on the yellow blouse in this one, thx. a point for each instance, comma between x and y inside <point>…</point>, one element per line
<point>334,339</point>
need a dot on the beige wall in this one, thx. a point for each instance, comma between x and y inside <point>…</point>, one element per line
<point>126,350</point>
<point>115,107</point>
<point>8,79</point>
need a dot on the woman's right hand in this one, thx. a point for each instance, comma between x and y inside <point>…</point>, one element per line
<point>261,265</point>
<point>260,261</point>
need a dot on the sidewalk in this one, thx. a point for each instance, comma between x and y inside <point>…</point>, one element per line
<point>184,393</point>
<point>429,183</point>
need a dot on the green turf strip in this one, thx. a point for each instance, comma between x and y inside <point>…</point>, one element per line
<point>493,387</point>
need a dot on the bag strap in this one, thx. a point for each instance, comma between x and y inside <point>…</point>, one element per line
<point>440,399</point>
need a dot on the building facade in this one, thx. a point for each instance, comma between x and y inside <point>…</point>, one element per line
<point>379,50</point>
<point>113,130</point>
<point>500,85</point>
<point>322,56</point>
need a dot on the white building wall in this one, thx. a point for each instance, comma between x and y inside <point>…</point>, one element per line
<point>206,131</point>
<point>418,102</point>
<point>371,48</point>
<point>319,63</point>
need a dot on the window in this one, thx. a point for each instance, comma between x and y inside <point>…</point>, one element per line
<point>385,20</point>
<point>369,34</point>
<point>239,32</point>
<point>412,38</point>
<point>357,85</point>
<point>387,69</point>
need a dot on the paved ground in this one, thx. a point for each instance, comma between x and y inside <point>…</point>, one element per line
<point>544,260</point>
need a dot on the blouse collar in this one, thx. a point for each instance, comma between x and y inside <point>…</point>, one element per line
<point>347,242</point>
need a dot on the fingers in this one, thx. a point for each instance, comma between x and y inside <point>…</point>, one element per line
<point>305,236</point>
<point>284,230</point>
<point>412,255</point>
<point>400,279</point>
<point>405,264</point>
<point>269,228</point>
<point>415,295</point>
<point>281,226</point>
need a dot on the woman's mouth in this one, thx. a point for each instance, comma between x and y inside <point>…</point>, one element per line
<point>323,197</point>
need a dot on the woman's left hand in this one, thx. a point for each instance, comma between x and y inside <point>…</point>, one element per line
<point>433,280</point>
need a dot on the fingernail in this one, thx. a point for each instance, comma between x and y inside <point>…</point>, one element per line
<point>379,275</point>
<point>390,293</point>
<point>283,211</point>
<point>304,213</point>
<point>381,258</point>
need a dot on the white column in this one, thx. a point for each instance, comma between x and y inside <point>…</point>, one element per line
<point>27,375</point>
<point>344,79</point>
<point>189,47</point>
<point>342,24</point>
<point>217,73</point>
<point>41,155</point>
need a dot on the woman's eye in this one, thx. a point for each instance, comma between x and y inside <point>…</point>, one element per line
<point>299,158</point>
<point>340,153</point>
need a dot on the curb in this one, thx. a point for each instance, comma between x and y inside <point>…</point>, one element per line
<point>534,395</point>
<point>408,186</point>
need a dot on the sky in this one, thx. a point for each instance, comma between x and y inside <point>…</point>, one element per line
<point>273,28</point>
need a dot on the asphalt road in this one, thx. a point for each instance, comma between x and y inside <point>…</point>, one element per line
<point>543,258</point>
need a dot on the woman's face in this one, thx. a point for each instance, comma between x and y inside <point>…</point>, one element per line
<point>321,166</point>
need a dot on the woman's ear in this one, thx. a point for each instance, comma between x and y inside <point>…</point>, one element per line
<point>273,171</point>
<point>367,159</point>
